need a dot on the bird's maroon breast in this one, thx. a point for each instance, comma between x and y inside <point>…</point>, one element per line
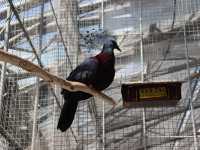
<point>106,71</point>
<point>104,58</point>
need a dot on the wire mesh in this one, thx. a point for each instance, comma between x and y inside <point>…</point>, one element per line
<point>63,33</point>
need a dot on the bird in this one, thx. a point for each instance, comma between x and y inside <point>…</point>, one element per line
<point>96,72</point>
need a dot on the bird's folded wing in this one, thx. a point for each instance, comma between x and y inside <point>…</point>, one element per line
<point>85,72</point>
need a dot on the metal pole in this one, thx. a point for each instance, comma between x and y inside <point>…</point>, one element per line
<point>6,46</point>
<point>141,48</point>
<point>102,14</point>
<point>54,115</point>
<point>142,77</point>
<point>103,108</point>
<point>103,124</point>
<point>34,131</point>
<point>190,90</point>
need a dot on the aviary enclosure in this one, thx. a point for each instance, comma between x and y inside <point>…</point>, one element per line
<point>160,41</point>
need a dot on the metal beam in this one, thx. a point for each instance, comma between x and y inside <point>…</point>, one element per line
<point>25,32</point>
<point>125,123</point>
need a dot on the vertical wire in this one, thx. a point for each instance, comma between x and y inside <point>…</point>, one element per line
<point>4,64</point>
<point>103,108</point>
<point>190,89</point>
<point>142,76</point>
<point>35,112</point>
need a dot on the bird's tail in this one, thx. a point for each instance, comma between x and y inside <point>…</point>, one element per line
<point>67,114</point>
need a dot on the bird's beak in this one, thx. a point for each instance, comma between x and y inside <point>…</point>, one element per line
<point>118,48</point>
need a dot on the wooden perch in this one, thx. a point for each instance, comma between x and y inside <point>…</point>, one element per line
<point>36,70</point>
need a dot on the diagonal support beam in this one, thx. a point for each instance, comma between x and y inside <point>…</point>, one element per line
<point>24,30</point>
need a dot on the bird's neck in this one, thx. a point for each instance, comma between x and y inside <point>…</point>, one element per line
<point>108,50</point>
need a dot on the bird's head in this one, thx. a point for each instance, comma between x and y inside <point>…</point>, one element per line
<point>110,45</point>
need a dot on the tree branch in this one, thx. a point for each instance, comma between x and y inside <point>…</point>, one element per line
<point>36,70</point>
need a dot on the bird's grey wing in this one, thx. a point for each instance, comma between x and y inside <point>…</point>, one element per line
<point>84,73</point>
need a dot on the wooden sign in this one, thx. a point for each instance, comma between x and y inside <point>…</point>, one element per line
<point>153,94</point>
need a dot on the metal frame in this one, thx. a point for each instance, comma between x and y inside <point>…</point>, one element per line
<point>110,121</point>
